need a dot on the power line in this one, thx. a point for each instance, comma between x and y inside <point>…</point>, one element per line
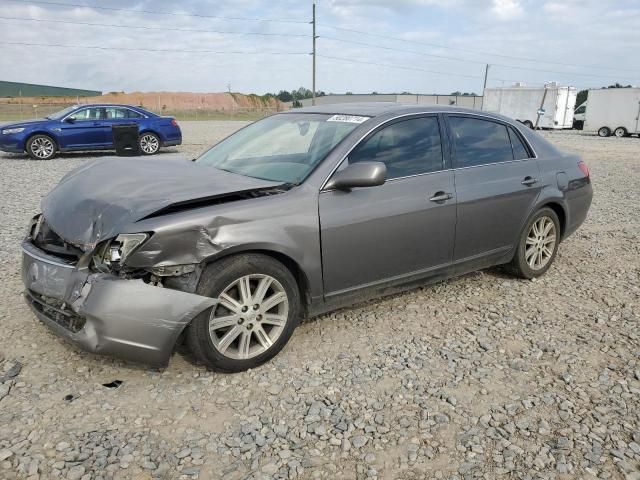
<point>97,47</point>
<point>464,60</point>
<point>475,52</point>
<point>401,50</point>
<point>141,27</point>
<point>154,12</point>
<point>350,60</point>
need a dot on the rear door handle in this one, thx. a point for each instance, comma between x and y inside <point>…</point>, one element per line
<point>441,197</point>
<point>528,181</point>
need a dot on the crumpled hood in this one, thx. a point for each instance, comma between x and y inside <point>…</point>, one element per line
<point>96,200</point>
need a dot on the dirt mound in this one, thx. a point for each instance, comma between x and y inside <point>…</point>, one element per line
<point>165,101</point>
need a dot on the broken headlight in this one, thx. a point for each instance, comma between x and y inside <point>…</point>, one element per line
<point>113,253</point>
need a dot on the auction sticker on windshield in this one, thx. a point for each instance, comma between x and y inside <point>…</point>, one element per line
<point>347,119</point>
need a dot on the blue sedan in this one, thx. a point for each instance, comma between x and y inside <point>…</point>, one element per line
<point>88,127</point>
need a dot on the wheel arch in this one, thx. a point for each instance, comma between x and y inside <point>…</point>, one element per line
<point>559,210</point>
<point>41,132</point>
<point>155,131</point>
<point>291,264</point>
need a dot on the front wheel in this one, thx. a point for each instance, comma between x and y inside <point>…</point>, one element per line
<point>258,309</point>
<point>528,124</point>
<point>538,245</point>
<point>149,143</point>
<point>41,147</point>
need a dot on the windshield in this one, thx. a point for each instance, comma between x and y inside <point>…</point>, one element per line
<point>282,148</point>
<point>62,113</point>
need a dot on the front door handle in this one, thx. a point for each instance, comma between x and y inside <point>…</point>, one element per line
<point>528,181</point>
<point>440,197</point>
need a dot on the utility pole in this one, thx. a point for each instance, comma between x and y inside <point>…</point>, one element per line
<point>484,86</point>
<point>541,109</point>
<point>313,82</point>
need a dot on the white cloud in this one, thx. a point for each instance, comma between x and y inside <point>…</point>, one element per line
<point>478,29</point>
<point>507,9</point>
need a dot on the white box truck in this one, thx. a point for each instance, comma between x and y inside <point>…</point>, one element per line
<point>613,111</point>
<point>523,103</point>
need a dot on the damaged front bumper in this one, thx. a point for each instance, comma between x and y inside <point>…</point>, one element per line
<point>103,313</point>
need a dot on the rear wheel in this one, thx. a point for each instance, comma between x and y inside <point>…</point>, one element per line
<point>538,245</point>
<point>620,132</point>
<point>149,143</point>
<point>41,147</point>
<point>257,313</point>
<point>604,132</point>
<point>528,124</point>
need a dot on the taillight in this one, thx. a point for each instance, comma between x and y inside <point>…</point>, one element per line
<point>584,169</point>
<point>173,122</point>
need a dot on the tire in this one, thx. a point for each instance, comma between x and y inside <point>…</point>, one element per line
<point>604,132</point>
<point>578,124</point>
<point>239,342</point>
<point>528,124</point>
<point>41,147</point>
<point>149,143</point>
<point>520,265</point>
<point>620,132</point>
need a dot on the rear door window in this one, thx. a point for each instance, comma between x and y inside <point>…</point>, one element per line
<point>479,142</point>
<point>113,113</point>
<point>133,114</point>
<point>409,147</point>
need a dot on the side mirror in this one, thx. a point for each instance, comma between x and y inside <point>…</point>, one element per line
<point>70,120</point>
<point>360,174</point>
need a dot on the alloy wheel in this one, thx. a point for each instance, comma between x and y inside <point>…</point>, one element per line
<point>42,148</point>
<point>540,243</point>
<point>251,315</point>
<point>620,132</point>
<point>149,143</point>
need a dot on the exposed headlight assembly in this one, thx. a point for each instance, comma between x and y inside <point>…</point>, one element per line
<point>8,131</point>
<point>114,253</point>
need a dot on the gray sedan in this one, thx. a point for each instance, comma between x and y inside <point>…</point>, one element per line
<point>295,215</point>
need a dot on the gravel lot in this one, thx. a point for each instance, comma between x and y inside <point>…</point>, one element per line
<point>483,376</point>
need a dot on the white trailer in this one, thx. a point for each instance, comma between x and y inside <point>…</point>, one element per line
<point>523,104</point>
<point>613,110</point>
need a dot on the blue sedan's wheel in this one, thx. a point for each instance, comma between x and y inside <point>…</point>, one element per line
<point>149,143</point>
<point>41,147</point>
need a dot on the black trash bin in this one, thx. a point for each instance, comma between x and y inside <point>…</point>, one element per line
<point>125,139</point>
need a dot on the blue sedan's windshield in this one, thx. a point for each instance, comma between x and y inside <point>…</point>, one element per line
<point>62,113</point>
<point>282,148</point>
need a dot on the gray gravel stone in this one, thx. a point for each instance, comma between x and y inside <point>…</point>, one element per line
<point>501,377</point>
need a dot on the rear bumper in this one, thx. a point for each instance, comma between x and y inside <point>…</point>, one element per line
<point>578,202</point>
<point>105,314</point>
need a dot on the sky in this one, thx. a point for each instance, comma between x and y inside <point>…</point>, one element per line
<point>260,46</point>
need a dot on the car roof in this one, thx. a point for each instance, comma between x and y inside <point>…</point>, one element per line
<point>376,109</point>
<point>84,105</point>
